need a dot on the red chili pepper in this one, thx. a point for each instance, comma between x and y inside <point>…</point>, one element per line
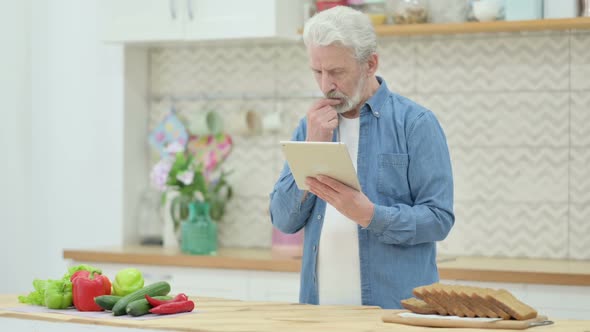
<point>155,302</point>
<point>173,307</point>
<point>86,287</point>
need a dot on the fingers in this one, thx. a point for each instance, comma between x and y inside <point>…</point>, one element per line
<point>322,119</point>
<point>321,190</point>
<point>326,102</point>
<point>331,124</point>
<point>326,118</point>
<point>335,185</point>
<point>323,106</point>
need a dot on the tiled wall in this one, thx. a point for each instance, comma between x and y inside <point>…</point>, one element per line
<point>515,108</point>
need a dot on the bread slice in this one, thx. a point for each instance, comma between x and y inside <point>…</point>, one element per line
<point>418,306</point>
<point>463,309</point>
<point>425,295</point>
<point>481,307</point>
<point>442,299</point>
<point>466,301</point>
<point>458,293</point>
<point>480,295</point>
<point>510,304</point>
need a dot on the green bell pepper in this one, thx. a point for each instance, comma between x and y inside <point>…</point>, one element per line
<point>58,294</point>
<point>127,281</point>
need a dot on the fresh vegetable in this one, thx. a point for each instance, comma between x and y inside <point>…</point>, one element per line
<point>159,288</point>
<point>36,297</point>
<point>127,281</point>
<point>81,267</point>
<point>107,302</point>
<point>86,287</point>
<point>58,294</point>
<point>156,302</point>
<point>142,307</point>
<point>86,274</point>
<point>173,308</point>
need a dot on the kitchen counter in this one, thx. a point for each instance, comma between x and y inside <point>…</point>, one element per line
<point>488,269</point>
<point>230,315</point>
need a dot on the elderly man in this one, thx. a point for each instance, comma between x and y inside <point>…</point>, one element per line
<point>369,247</point>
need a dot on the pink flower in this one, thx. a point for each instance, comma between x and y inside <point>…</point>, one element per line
<point>159,174</point>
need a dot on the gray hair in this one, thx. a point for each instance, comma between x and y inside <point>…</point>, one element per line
<point>345,26</point>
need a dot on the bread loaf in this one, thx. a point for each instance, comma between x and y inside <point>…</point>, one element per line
<point>467,301</point>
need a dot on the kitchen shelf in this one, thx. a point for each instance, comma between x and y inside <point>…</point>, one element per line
<point>482,269</point>
<point>579,23</point>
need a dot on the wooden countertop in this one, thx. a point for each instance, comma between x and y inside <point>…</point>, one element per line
<point>229,315</point>
<point>530,271</point>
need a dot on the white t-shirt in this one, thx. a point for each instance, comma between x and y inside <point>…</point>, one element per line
<point>338,267</point>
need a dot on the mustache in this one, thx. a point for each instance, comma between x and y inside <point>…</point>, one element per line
<point>336,95</point>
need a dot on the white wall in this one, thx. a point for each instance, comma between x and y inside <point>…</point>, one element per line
<point>72,139</point>
<point>16,240</point>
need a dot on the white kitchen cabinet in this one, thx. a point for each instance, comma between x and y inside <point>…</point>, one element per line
<point>247,285</point>
<point>198,20</point>
<point>141,20</point>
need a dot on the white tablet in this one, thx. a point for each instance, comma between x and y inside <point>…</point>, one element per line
<point>315,158</point>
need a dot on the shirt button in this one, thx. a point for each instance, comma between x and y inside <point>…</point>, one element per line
<point>319,216</point>
<point>377,113</point>
<point>315,248</point>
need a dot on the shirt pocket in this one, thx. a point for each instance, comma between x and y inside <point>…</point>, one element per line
<point>392,177</point>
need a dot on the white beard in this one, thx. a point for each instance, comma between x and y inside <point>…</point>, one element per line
<point>348,103</point>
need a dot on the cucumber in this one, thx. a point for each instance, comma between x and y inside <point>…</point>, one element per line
<point>107,302</point>
<point>159,288</point>
<point>142,307</point>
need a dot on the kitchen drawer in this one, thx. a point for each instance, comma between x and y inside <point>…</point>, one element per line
<point>564,297</point>
<point>274,286</point>
<point>229,284</point>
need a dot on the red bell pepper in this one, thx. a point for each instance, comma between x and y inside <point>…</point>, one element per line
<point>86,287</point>
<point>155,302</point>
<point>173,307</point>
<point>85,274</point>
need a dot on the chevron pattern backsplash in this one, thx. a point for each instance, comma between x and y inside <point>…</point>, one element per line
<point>515,108</point>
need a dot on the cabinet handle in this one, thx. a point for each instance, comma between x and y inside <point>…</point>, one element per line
<point>172,5</point>
<point>189,6</point>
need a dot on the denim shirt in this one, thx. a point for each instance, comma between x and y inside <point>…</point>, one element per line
<point>404,168</point>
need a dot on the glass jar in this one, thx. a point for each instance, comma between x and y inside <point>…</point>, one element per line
<point>356,4</point>
<point>560,8</point>
<point>585,8</point>
<point>485,10</point>
<point>323,5</point>
<point>287,244</point>
<point>448,11</point>
<point>409,11</point>
<point>524,10</point>
<point>375,9</point>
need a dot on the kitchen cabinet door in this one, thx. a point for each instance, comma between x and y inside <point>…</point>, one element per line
<point>235,19</point>
<point>142,20</point>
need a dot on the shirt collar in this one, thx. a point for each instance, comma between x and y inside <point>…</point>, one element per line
<point>378,98</point>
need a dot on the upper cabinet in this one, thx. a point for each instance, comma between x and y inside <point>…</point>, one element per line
<point>194,20</point>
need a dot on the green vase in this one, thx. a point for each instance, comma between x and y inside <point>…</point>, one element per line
<point>179,209</point>
<point>199,231</point>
